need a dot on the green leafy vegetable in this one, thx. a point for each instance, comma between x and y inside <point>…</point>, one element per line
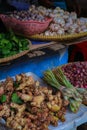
<point>11,44</point>
<point>16,84</point>
<point>16,99</point>
<point>3,98</point>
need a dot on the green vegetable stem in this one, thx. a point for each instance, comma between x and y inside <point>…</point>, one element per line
<point>58,80</point>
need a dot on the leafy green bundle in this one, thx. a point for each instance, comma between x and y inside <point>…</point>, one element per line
<point>11,44</point>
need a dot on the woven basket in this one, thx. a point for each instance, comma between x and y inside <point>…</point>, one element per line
<point>67,37</point>
<point>13,57</point>
<point>24,28</point>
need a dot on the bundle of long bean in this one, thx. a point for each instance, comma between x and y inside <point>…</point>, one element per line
<point>58,80</point>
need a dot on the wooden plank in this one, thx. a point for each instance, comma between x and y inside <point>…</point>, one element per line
<point>56,45</point>
<point>41,46</point>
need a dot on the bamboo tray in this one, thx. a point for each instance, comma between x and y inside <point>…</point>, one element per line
<point>13,57</point>
<point>67,37</point>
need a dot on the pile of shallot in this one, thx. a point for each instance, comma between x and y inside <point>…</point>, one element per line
<point>76,73</point>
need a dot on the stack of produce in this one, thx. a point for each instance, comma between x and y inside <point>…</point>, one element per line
<point>26,23</point>
<point>31,14</point>
<point>26,105</point>
<point>11,44</point>
<point>63,22</point>
<point>58,80</point>
<point>76,73</point>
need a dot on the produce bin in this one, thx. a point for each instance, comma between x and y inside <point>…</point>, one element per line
<point>36,65</point>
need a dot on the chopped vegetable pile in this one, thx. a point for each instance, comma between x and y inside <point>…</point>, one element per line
<point>11,44</point>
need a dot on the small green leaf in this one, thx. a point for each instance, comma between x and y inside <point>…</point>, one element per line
<point>3,98</point>
<point>16,99</point>
<point>5,51</point>
<point>16,84</point>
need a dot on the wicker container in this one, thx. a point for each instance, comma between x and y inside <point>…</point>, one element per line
<point>30,27</point>
<point>63,38</point>
<point>15,56</point>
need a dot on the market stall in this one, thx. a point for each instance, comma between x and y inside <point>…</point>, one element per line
<point>39,88</point>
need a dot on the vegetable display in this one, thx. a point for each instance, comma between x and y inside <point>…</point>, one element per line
<point>58,80</point>
<point>31,14</point>
<point>76,73</point>
<point>62,23</point>
<point>11,44</point>
<point>26,105</point>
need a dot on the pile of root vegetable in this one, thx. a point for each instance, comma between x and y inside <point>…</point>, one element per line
<point>26,105</point>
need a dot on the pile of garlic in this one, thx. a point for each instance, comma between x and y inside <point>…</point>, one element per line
<point>63,22</point>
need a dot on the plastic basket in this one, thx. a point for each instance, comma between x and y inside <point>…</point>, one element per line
<point>19,5</point>
<point>24,28</point>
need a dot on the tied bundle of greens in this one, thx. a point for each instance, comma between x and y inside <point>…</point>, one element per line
<point>58,80</point>
<point>11,44</point>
